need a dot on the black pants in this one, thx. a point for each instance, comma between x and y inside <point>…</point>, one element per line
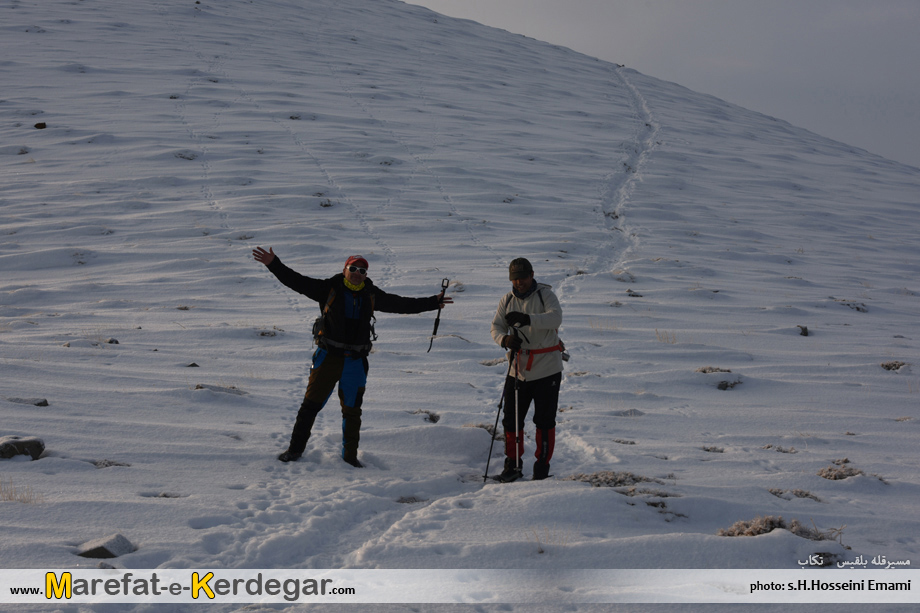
<point>544,394</point>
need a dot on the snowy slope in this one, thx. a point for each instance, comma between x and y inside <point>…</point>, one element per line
<point>679,231</point>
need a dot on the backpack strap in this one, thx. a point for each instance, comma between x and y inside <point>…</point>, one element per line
<point>510,296</point>
<point>319,325</point>
<point>373,321</point>
<point>329,300</point>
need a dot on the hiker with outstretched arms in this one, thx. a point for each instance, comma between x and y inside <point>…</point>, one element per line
<point>343,334</point>
<point>526,324</point>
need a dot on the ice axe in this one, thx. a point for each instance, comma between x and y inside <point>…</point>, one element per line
<point>437,320</point>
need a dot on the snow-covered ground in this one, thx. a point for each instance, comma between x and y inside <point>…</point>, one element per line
<point>680,233</point>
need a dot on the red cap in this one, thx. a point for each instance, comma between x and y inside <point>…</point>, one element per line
<point>357,260</point>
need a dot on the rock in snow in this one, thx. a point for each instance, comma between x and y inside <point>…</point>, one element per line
<point>15,445</point>
<point>110,546</point>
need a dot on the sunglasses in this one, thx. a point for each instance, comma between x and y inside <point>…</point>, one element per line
<point>363,271</point>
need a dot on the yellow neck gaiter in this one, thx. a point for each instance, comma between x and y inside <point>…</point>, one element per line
<point>352,287</point>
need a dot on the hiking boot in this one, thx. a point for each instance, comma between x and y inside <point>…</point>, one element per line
<point>290,456</point>
<point>354,462</point>
<point>511,472</point>
<point>540,471</point>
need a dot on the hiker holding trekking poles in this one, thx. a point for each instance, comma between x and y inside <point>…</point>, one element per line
<point>526,324</point>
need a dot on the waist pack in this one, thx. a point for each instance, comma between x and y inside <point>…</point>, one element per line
<point>532,352</point>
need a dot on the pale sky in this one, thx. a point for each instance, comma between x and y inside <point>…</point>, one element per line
<point>845,69</point>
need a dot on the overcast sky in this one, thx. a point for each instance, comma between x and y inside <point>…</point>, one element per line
<point>845,69</point>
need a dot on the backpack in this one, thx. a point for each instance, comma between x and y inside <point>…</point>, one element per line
<point>319,327</point>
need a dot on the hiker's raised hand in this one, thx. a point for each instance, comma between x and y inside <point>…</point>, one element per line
<point>261,255</point>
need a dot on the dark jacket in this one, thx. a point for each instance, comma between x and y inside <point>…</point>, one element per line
<point>348,321</point>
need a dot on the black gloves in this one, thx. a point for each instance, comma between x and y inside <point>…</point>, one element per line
<point>511,342</point>
<point>515,319</point>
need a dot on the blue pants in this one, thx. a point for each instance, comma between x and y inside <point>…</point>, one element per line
<point>349,372</point>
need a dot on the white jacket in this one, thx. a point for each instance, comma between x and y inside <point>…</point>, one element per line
<point>542,333</point>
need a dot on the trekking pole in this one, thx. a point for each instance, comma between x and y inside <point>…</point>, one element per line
<point>437,320</point>
<point>497,415</point>
<point>518,430</point>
